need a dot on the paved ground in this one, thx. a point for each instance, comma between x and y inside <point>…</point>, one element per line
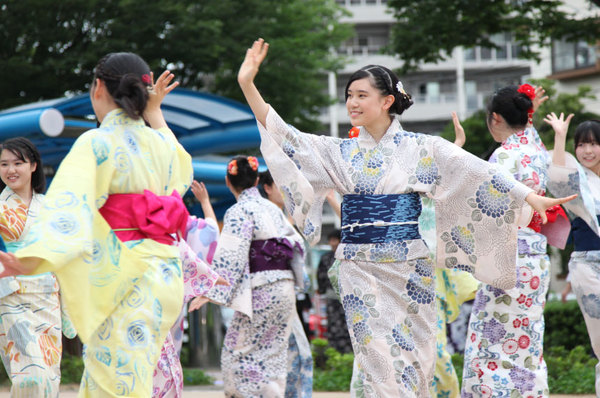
<point>217,392</point>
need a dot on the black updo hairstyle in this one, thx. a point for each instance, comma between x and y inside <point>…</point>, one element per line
<point>245,177</point>
<point>264,178</point>
<point>24,149</point>
<point>127,78</point>
<point>512,105</point>
<point>587,132</point>
<point>386,82</point>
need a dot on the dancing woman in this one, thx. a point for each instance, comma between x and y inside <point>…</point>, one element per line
<point>385,274</point>
<point>106,229</point>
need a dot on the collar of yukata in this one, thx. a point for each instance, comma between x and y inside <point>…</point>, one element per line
<point>248,193</point>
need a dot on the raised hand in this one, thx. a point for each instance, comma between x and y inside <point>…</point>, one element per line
<point>199,191</point>
<point>543,203</point>
<point>559,124</point>
<point>254,57</point>
<point>540,98</point>
<point>156,94</point>
<point>459,132</point>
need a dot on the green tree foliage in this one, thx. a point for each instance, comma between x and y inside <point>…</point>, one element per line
<point>479,140</point>
<point>47,51</point>
<point>428,30</point>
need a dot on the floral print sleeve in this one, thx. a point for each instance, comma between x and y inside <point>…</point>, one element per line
<point>474,198</point>
<point>314,157</point>
<point>571,179</point>
<point>231,261</point>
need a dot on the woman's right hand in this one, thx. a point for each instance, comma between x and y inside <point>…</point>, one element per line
<point>560,125</point>
<point>459,132</point>
<point>254,57</point>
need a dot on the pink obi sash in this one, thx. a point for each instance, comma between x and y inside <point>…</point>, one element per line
<point>135,216</point>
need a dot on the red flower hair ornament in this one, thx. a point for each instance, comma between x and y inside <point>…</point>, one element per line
<point>146,79</point>
<point>529,91</point>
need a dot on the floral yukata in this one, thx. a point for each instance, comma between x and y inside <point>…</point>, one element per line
<point>503,352</point>
<point>584,265</point>
<point>123,297</point>
<point>254,356</point>
<point>30,311</point>
<point>452,288</point>
<point>387,288</point>
<point>196,251</point>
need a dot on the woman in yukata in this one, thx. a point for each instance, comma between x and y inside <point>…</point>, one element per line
<point>30,309</point>
<point>385,275</point>
<point>262,257</point>
<point>106,229</point>
<point>300,362</point>
<point>581,176</point>
<point>504,347</point>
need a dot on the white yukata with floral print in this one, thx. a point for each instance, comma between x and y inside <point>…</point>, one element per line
<point>387,289</point>
<point>254,355</point>
<point>584,265</point>
<point>503,352</point>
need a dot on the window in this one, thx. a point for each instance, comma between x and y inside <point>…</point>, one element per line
<point>572,55</point>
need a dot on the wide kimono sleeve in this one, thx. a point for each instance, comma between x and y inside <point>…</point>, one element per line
<point>231,261</point>
<point>478,209</point>
<point>196,252</point>
<point>95,269</point>
<point>571,179</point>
<point>305,169</point>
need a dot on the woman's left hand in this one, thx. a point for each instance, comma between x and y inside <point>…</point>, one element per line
<point>12,265</point>
<point>542,203</point>
<point>540,98</point>
<point>159,89</point>
<point>197,303</point>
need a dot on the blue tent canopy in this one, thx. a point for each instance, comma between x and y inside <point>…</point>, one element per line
<point>205,124</point>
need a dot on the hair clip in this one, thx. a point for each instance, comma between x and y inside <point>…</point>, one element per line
<point>400,87</point>
<point>232,167</point>
<point>253,162</point>
<point>354,131</point>
<point>146,79</point>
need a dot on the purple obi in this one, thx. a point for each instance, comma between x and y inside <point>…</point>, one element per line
<point>270,255</point>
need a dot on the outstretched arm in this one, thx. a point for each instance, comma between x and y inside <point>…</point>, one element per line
<point>560,125</point>
<point>543,203</point>
<point>248,71</point>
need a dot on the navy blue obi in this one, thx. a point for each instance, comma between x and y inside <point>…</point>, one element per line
<point>380,218</point>
<point>584,238</point>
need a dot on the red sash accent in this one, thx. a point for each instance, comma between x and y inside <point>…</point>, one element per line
<point>146,216</point>
<point>556,229</point>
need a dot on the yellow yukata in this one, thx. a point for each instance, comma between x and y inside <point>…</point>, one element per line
<point>122,297</point>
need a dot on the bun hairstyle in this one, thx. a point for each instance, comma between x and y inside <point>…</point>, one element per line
<point>127,78</point>
<point>587,132</point>
<point>512,105</point>
<point>242,172</point>
<point>387,83</point>
<point>264,178</point>
<point>24,149</point>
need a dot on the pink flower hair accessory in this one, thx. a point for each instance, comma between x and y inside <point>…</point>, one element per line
<point>253,162</point>
<point>232,168</point>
